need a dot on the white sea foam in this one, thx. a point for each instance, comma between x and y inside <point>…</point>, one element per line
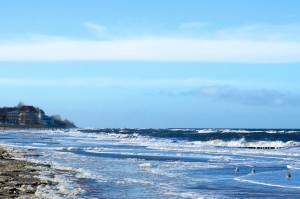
<point>120,182</point>
<point>138,181</point>
<point>293,166</point>
<point>137,139</point>
<point>73,148</point>
<point>267,184</point>
<point>191,195</point>
<point>62,190</point>
<point>206,131</point>
<point>235,131</point>
<point>43,144</point>
<point>272,179</point>
<point>179,129</point>
<point>64,187</point>
<point>83,173</point>
<point>242,143</point>
<point>145,165</point>
<point>216,146</point>
<point>94,149</point>
<point>272,131</point>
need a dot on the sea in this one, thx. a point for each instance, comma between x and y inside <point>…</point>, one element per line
<point>164,163</point>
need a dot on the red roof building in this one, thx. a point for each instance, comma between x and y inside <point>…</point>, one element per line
<point>28,115</point>
<point>27,108</point>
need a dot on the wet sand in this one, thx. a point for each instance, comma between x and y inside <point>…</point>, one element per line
<point>19,178</point>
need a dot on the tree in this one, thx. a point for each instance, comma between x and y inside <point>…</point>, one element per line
<point>20,104</point>
<point>57,117</point>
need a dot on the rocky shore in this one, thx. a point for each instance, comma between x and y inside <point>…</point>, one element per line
<point>19,178</point>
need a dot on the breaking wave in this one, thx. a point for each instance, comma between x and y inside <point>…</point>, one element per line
<point>242,143</point>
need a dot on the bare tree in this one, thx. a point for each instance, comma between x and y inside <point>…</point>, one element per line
<point>20,104</point>
<point>57,117</point>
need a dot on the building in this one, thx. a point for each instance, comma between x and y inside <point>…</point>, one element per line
<point>44,119</point>
<point>28,115</point>
<point>3,114</point>
<point>13,116</point>
<point>47,120</point>
<point>40,115</point>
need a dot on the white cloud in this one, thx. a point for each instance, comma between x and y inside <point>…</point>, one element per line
<point>261,97</point>
<point>254,43</point>
<point>106,82</point>
<point>153,49</point>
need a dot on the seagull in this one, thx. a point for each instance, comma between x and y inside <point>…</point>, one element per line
<point>237,169</point>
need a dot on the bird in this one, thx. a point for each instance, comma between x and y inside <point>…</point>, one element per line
<point>237,169</point>
<point>288,175</point>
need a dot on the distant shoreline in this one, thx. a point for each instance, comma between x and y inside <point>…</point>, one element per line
<point>38,127</point>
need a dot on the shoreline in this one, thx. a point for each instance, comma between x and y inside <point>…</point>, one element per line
<point>25,178</point>
<point>30,128</point>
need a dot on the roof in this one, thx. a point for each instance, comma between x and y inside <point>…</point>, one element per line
<point>14,111</point>
<point>27,108</point>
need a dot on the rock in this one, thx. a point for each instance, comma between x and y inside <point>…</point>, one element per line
<point>13,191</point>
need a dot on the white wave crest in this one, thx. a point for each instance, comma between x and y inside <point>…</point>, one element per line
<point>206,131</point>
<point>145,165</point>
<point>242,143</point>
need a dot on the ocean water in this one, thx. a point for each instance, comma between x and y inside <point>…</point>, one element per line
<point>165,163</point>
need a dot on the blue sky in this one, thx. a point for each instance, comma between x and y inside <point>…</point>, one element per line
<point>154,63</point>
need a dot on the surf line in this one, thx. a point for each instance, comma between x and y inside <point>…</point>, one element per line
<point>266,184</point>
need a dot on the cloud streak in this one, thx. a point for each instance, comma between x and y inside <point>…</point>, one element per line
<point>262,97</point>
<point>167,88</point>
<point>105,82</point>
<point>152,49</point>
<point>98,30</point>
<point>260,31</point>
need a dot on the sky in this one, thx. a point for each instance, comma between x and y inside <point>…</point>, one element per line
<point>153,63</point>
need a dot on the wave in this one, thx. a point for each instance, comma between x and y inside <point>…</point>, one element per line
<point>272,179</point>
<point>206,131</point>
<point>238,131</point>
<point>206,135</point>
<point>267,184</point>
<point>293,166</point>
<point>242,143</point>
<point>201,138</point>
